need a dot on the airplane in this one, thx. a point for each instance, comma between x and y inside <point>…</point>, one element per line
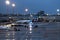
<point>22,22</point>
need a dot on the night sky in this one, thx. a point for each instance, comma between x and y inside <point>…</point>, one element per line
<point>49,6</point>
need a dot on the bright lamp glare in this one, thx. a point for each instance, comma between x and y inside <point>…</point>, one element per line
<point>13,5</point>
<point>26,10</point>
<point>7,2</point>
<point>58,10</point>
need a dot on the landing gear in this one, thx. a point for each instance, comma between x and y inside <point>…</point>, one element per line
<point>36,26</point>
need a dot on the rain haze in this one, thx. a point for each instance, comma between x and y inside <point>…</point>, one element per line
<point>49,6</point>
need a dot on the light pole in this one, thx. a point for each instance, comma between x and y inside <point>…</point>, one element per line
<point>58,11</point>
<point>26,10</point>
<point>13,5</point>
<point>7,3</point>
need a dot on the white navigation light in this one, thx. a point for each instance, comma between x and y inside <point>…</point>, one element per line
<point>47,14</point>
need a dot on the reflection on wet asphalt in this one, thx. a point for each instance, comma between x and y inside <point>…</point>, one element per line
<point>50,31</point>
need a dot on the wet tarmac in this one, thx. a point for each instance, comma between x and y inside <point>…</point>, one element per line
<point>44,31</point>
